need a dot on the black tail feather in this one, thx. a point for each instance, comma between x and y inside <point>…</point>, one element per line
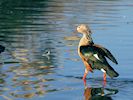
<point>111,72</point>
<point>109,55</point>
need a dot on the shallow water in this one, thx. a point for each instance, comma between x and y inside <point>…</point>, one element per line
<point>41,60</point>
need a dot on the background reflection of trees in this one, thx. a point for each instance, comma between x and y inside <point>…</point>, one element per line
<point>26,30</point>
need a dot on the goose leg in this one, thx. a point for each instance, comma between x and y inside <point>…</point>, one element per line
<point>84,77</point>
<point>104,76</point>
<point>104,79</point>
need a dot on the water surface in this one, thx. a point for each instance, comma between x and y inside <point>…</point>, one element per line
<point>32,29</point>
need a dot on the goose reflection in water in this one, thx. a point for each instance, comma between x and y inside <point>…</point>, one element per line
<point>99,93</point>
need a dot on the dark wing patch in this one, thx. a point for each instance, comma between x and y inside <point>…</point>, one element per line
<point>107,53</point>
<point>92,53</point>
<point>102,52</point>
<point>89,52</point>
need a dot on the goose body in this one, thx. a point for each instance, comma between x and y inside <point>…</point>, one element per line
<point>93,55</point>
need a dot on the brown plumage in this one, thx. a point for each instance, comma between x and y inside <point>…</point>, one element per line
<point>93,55</point>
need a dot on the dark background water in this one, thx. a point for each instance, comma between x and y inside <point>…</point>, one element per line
<point>31,28</point>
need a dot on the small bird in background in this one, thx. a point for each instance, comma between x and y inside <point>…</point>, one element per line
<point>2,48</point>
<point>47,54</point>
<point>93,55</point>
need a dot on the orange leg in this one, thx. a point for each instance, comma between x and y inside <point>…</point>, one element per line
<point>104,76</point>
<point>104,79</point>
<point>104,83</point>
<point>84,77</point>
